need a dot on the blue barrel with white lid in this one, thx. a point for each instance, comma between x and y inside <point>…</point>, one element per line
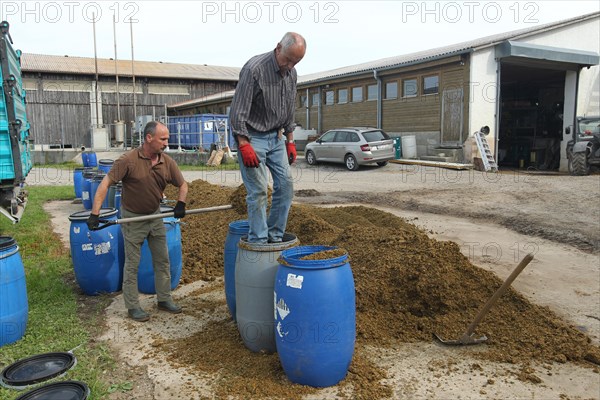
<point>96,255</point>
<point>315,315</point>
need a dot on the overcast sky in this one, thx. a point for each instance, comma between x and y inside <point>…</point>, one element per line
<point>227,33</point>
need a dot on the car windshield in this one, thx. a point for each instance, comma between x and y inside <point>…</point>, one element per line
<point>375,136</point>
<point>589,126</point>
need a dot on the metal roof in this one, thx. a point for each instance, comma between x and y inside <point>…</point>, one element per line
<point>151,69</point>
<point>440,52</point>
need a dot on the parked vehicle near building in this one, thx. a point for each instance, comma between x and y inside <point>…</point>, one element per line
<point>583,151</point>
<point>353,147</point>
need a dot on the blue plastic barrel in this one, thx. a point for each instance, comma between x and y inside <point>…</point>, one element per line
<point>98,177</point>
<point>95,254</point>
<point>237,229</point>
<point>14,307</point>
<point>89,159</point>
<point>255,268</point>
<point>105,165</point>
<point>113,192</point>
<point>146,270</point>
<point>315,316</point>
<point>86,188</point>
<point>78,181</point>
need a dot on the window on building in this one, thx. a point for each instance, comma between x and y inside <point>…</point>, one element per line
<point>357,94</point>
<point>329,97</point>
<point>409,88</point>
<point>372,92</point>
<point>431,84</point>
<point>315,99</point>
<point>342,96</point>
<point>391,90</point>
<point>303,101</point>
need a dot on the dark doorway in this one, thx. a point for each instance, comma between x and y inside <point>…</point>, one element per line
<point>531,117</point>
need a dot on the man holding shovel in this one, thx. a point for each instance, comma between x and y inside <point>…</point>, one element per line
<point>144,173</point>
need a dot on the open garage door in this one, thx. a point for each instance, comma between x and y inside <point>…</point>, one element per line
<point>538,91</point>
<point>531,117</point>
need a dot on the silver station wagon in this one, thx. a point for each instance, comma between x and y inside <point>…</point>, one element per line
<point>351,146</point>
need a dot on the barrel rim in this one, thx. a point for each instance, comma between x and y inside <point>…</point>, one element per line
<point>81,389</point>
<point>39,363</point>
<point>289,240</point>
<point>7,242</point>
<point>106,161</point>
<point>85,214</point>
<point>292,257</point>
<point>240,226</point>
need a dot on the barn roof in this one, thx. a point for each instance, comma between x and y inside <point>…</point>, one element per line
<point>151,69</point>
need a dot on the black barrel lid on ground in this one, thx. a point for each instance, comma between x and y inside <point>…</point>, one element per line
<point>36,369</point>
<point>67,390</point>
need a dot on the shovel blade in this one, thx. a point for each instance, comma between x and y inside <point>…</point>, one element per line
<point>462,341</point>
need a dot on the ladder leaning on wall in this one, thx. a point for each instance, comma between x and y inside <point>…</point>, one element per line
<point>489,164</point>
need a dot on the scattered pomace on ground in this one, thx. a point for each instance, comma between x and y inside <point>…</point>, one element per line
<point>408,287</point>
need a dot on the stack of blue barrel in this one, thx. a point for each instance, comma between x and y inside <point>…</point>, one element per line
<point>86,180</point>
<point>97,255</point>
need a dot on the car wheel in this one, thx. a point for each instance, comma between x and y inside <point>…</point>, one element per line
<point>310,158</point>
<point>351,162</point>
<point>578,164</point>
<point>382,163</point>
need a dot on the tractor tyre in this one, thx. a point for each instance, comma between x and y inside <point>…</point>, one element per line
<point>578,164</point>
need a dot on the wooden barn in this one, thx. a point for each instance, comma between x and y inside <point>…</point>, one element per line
<point>68,98</point>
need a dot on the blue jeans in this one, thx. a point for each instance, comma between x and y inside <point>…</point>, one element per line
<point>270,150</point>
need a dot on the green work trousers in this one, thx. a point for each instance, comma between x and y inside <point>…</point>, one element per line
<point>134,234</point>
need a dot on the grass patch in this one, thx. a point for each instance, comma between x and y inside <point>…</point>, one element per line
<point>55,323</point>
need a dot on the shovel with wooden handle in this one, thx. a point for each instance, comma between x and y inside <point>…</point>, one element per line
<point>107,223</point>
<point>467,337</point>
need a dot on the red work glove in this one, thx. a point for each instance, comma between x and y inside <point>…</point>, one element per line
<point>249,157</point>
<point>291,152</point>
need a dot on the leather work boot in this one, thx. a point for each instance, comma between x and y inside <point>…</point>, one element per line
<point>169,306</point>
<point>137,314</point>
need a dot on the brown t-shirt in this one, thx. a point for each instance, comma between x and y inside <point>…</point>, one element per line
<point>143,184</point>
